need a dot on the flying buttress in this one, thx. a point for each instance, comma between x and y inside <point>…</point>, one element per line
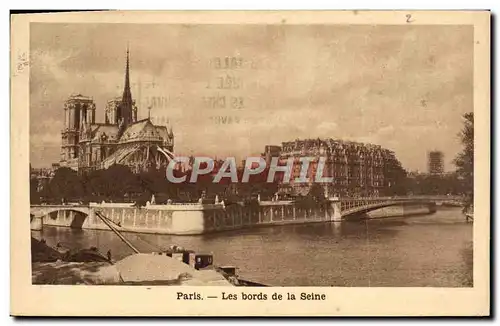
<point>168,154</point>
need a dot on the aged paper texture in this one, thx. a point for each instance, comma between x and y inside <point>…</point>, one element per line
<point>308,163</point>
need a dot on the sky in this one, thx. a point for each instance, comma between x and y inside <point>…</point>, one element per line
<point>402,87</point>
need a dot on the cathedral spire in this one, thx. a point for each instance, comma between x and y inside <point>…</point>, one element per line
<point>126,91</point>
<point>127,104</point>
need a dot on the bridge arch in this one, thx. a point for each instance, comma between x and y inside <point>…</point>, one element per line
<point>71,216</point>
<point>363,209</point>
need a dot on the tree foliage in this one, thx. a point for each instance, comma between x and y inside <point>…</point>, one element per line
<point>119,184</point>
<point>395,177</point>
<point>426,184</point>
<point>465,159</point>
<point>315,197</point>
<point>64,186</point>
<point>113,184</point>
<point>34,195</point>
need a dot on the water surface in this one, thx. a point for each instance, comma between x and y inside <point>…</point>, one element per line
<point>432,250</point>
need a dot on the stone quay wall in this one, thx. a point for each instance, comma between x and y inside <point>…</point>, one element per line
<point>188,219</point>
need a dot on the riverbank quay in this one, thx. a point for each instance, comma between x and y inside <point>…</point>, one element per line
<point>201,218</point>
<point>51,266</point>
<point>179,219</point>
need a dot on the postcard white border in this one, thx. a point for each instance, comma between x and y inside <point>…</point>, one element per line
<point>27,299</point>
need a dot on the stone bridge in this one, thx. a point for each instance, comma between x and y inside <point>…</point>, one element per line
<point>59,215</point>
<point>43,210</point>
<point>354,206</point>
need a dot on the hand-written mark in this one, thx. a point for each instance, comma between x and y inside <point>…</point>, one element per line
<point>408,17</point>
<point>160,120</point>
<point>237,102</point>
<point>225,120</point>
<point>228,63</point>
<point>23,62</point>
<point>143,85</point>
<point>214,102</point>
<point>222,102</point>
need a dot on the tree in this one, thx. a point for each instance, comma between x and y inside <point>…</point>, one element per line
<point>113,183</point>
<point>315,197</point>
<point>34,195</point>
<point>317,192</point>
<point>65,185</point>
<point>465,159</point>
<point>396,180</point>
<point>155,182</point>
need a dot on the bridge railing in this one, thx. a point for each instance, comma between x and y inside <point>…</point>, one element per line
<point>386,198</point>
<point>58,205</point>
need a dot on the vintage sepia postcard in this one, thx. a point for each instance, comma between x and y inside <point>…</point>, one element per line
<point>266,163</point>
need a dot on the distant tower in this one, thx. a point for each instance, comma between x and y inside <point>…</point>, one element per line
<point>126,108</point>
<point>111,110</point>
<point>435,162</point>
<point>78,110</point>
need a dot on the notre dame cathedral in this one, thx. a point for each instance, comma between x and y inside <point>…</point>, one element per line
<point>121,139</point>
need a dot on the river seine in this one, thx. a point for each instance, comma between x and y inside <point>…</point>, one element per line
<point>427,250</point>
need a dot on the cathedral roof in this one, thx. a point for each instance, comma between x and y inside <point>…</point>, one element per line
<point>142,130</point>
<point>110,131</point>
<point>79,97</point>
<point>163,131</point>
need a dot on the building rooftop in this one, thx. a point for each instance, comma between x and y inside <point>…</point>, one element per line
<point>79,97</point>
<point>141,130</point>
<point>110,131</point>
